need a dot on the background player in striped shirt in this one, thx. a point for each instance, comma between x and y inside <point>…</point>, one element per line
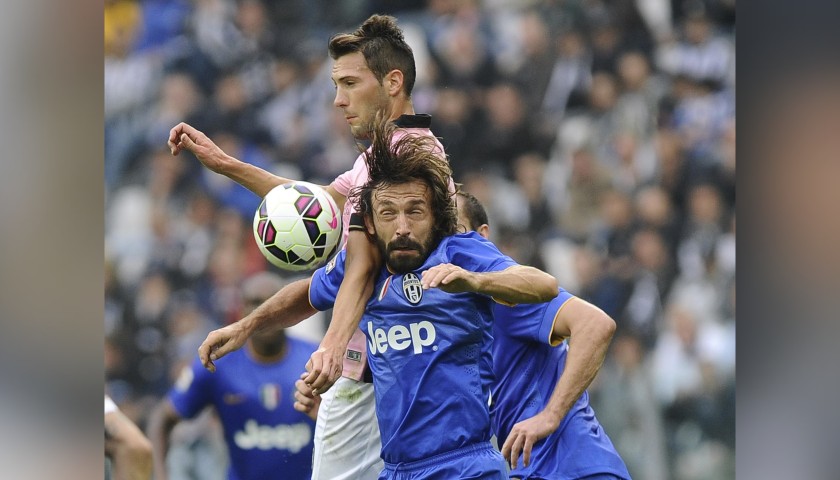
<point>540,404</point>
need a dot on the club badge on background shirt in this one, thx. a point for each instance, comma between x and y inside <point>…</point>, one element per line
<point>270,395</point>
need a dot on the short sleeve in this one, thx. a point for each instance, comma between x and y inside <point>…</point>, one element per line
<point>472,252</point>
<point>323,288</point>
<point>531,322</point>
<point>352,178</point>
<point>192,390</point>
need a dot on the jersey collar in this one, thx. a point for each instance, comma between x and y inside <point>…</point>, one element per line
<point>420,120</point>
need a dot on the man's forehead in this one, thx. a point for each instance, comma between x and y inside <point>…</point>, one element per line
<point>404,192</point>
<point>352,64</point>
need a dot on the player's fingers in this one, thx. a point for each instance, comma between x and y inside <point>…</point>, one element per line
<point>319,383</point>
<point>303,389</point>
<point>430,278</point>
<point>526,451</point>
<point>187,142</point>
<point>450,277</point>
<point>172,141</point>
<point>515,450</point>
<point>507,446</point>
<point>304,400</point>
<point>301,407</point>
<point>204,352</point>
<point>313,368</point>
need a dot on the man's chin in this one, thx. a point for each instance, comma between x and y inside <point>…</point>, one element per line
<point>404,263</point>
<point>359,132</point>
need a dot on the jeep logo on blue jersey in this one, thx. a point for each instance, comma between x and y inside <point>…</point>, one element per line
<point>292,437</point>
<point>412,288</point>
<point>400,337</point>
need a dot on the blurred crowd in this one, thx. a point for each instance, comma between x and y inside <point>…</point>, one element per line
<point>600,135</point>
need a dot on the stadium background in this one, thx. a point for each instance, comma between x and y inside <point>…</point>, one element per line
<point>600,135</point>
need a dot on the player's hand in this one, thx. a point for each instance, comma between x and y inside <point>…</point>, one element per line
<point>306,401</point>
<point>524,435</point>
<point>221,342</point>
<point>186,137</point>
<point>324,368</point>
<point>449,278</point>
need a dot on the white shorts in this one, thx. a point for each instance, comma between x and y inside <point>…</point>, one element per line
<point>347,443</point>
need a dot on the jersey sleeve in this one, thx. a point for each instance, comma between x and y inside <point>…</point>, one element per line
<point>354,177</point>
<point>531,322</point>
<point>474,253</point>
<point>192,390</point>
<point>323,288</point>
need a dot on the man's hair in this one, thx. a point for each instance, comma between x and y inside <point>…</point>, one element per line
<point>411,158</point>
<point>473,210</point>
<point>382,44</point>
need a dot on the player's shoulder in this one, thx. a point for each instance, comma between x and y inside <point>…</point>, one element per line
<point>469,241</point>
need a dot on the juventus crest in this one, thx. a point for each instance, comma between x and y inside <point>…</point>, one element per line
<point>412,289</point>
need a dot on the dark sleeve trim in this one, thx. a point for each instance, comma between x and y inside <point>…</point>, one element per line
<point>357,222</point>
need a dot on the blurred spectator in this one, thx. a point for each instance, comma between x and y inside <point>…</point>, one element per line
<point>455,123</point>
<point>131,80</point>
<point>588,181</point>
<point>535,59</point>
<point>570,78</point>
<point>504,132</point>
<point>653,209</point>
<point>529,174</point>
<point>652,274</point>
<point>701,53</point>
<point>163,22</point>
<point>615,234</point>
<point>627,408</point>
<point>690,369</point>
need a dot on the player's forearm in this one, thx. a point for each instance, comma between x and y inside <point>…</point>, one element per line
<point>285,308</point>
<point>518,284</point>
<point>588,344</point>
<point>361,264</point>
<point>254,178</point>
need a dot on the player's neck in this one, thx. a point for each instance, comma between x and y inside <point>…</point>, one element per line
<point>402,107</point>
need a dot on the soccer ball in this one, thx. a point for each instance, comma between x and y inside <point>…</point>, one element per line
<point>298,226</point>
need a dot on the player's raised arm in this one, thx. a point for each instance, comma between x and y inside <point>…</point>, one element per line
<point>515,284</point>
<point>186,137</point>
<point>286,308</point>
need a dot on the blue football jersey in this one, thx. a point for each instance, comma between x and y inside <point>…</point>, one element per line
<point>527,368</point>
<point>266,437</point>
<point>429,351</point>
